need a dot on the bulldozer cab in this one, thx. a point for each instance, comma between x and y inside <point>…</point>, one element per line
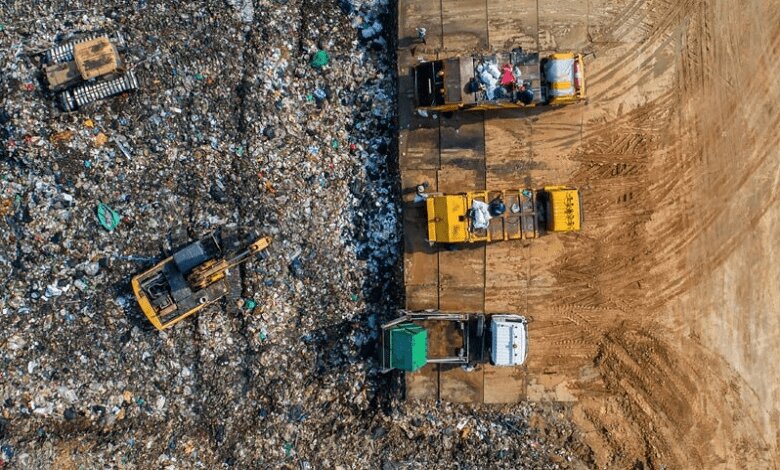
<point>93,58</point>
<point>96,57</point>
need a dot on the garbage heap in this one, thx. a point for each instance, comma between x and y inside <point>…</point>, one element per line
<point>273,116</point>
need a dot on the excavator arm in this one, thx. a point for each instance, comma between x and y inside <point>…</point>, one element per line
<point>213,270</point>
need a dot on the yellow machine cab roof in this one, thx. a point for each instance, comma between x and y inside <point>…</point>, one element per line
<point>446,218</point>
<point>95,57</point>
<point>565,211</point>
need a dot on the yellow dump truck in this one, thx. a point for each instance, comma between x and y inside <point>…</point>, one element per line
<point>517,79</point>
<point>194,277</point>
<point>86,70</point>
<point>485,216</point>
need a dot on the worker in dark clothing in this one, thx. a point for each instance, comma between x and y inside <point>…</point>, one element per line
<point>421,34</point>
<point>496,207</point>
<point>526,93</point>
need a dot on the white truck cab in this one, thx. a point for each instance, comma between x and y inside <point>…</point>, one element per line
<point>509,340</point>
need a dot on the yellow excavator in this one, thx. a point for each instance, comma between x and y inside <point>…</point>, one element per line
<point>194,277</point>
<point>485,216</point>
<point>517,79</point>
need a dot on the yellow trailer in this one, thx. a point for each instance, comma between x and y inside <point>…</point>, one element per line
<point>486,216</point>
<point>517,79</point>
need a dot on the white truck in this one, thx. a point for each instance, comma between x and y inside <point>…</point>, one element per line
<point>415,339</point>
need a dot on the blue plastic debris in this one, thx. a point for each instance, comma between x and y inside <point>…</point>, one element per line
<point>6,452</point>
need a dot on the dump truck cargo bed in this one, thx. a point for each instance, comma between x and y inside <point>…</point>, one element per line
<point>489,216</point>
<point>503,80</point>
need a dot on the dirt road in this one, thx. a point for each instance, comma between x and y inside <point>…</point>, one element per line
<point>658,321</point>
<point>676,280</point>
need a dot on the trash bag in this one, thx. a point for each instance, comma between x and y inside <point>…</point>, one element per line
<point>480,215</point>
<point>497,207</point>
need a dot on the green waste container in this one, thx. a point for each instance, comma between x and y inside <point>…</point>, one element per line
<point>408,347</point>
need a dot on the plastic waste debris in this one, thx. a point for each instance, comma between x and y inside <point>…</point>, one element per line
<point>100,139</point>
<point>320,59</point>
<point>107,217</point>
<point>481,215</point>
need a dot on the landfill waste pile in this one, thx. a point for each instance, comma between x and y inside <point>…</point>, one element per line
<point>271,116</point>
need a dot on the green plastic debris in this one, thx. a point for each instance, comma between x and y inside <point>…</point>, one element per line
<point>320,59</point>
<point>309,97</point>
<point>107,216</point>
<point>334,143</point>
<point>263,336</point>
<point>355,297</point>
<point>198,76</point>
<point>87,163</point>
<point>2,28</point>
<point>239,150</point>
<point>287,449</point>
<point>250,304</point>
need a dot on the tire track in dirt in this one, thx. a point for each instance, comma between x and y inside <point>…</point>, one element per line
<point>626,18</point>
<point>651,393</point>
<point>652,179</point>
<point>735,179</point>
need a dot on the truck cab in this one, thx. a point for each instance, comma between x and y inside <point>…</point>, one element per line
<point>509,340</point>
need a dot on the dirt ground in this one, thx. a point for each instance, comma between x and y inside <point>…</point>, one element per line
<point>677,275</point>
<point>658,320</point>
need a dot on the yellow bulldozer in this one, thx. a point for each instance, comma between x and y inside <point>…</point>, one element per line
<point>485,216</point>
<point>517,79</point>
<point>87,70</point>
<point>194,277</point>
